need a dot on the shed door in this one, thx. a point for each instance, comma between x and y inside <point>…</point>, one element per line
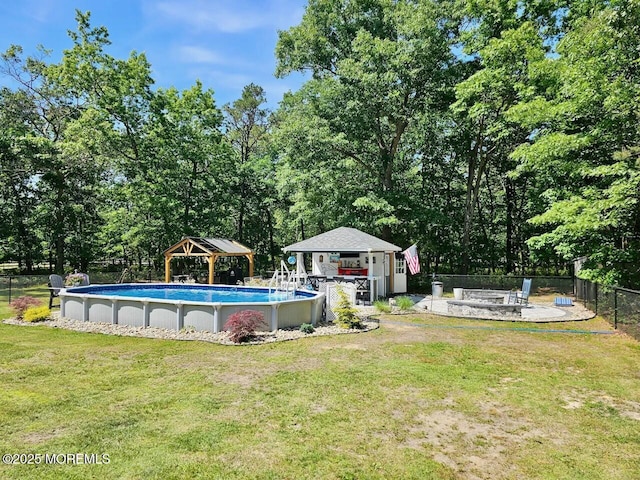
<point>400,276</point>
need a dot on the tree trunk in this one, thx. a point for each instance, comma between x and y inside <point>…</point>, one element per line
<point>272,247</point>
<point>59,243</point>
<point>477,164</point>
<point>510,193</point>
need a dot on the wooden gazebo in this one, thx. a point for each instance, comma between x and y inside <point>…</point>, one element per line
<point>210,249</point>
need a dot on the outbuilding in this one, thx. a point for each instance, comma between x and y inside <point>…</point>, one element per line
<point>349,254</point>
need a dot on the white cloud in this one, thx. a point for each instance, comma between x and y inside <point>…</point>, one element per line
<point>195,54</point>
<point>229,79</point>
<point>229,17</point>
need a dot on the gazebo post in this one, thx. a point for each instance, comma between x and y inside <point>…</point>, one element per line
<point>167,268</point>
<point>212,262</point>
<point>250,257</point>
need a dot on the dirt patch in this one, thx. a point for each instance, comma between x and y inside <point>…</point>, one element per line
<point>474,446</point>
<point>41,437</point>
<point>581,399</point>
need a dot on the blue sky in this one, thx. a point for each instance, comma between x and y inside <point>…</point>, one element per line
<point>224,44</point>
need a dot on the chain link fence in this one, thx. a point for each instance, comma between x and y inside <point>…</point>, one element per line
<point>14,286</point>
<point>540,284</point>
<point>619,306</point>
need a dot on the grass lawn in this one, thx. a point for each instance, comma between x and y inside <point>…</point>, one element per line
<point>416,398</point>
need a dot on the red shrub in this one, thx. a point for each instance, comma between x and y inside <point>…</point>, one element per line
<point>242,325</point>
<point>20,304</point>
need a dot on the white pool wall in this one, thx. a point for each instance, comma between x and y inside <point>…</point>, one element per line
<point>177,314</point>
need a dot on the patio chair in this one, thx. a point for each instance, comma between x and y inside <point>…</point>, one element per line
<point>317,282</point>
<point>363,291</point>
<point>55,284</point>
<point>521,297</point>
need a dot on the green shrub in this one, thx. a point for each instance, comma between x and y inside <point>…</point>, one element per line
<point>382,306</point>
<point>307,328</point>
<point>37,314</point>
<point>404,303</point>
<point>345,311</point>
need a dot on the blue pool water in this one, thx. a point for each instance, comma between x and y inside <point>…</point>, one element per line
<point>191,293</point>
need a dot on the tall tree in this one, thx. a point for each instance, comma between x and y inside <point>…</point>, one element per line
<point>502,40</point>
<point>18,195</point>
<point>66,180</point>
<point>376,65</point>
<point>586,142</point>
<point>247,126</point>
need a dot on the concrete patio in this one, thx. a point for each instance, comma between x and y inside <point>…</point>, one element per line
<point>542,312</point>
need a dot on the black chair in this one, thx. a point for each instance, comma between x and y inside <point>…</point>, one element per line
<point>363,290</point>
<point>55,284</point>
<point>317,281</point>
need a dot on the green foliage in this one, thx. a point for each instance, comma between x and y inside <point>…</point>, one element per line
<point>37,314</point>
<point>586,142</point>
<point>404,303</point>
<point>377,66</point>
<point>522,153</point>
<point>346,312</point>
<point>307,328</point>
<point>382,306</point>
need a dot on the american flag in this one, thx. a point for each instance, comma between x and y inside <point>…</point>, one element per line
<point>411,256</point>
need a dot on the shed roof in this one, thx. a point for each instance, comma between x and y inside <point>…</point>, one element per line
<point>343,239</point>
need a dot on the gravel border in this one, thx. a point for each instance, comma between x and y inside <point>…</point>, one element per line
<point>222,338</point>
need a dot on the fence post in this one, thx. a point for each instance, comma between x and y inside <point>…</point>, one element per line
<point>9,288</point>
<point>596,288</point>
<point>615,308</point>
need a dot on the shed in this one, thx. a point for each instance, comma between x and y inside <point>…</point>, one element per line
<point>347,251</point>
<point>210,249</point>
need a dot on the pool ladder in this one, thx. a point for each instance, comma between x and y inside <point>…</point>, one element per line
<point>285,280</point>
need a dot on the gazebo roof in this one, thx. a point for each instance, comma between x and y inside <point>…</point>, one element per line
<point>209,249</point>
<point>207,246</point>
<point>343,239</point>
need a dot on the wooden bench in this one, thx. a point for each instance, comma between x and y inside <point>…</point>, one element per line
<point>468,308</point>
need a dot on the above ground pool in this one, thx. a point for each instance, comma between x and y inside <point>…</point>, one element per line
<point>177,306</point>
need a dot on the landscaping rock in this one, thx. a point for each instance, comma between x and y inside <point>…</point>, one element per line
<point>165,334</point>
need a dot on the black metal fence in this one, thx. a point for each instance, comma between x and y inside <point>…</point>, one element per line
<point>540,284</point>
<point>619,306</point>
<point>14,286</point>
